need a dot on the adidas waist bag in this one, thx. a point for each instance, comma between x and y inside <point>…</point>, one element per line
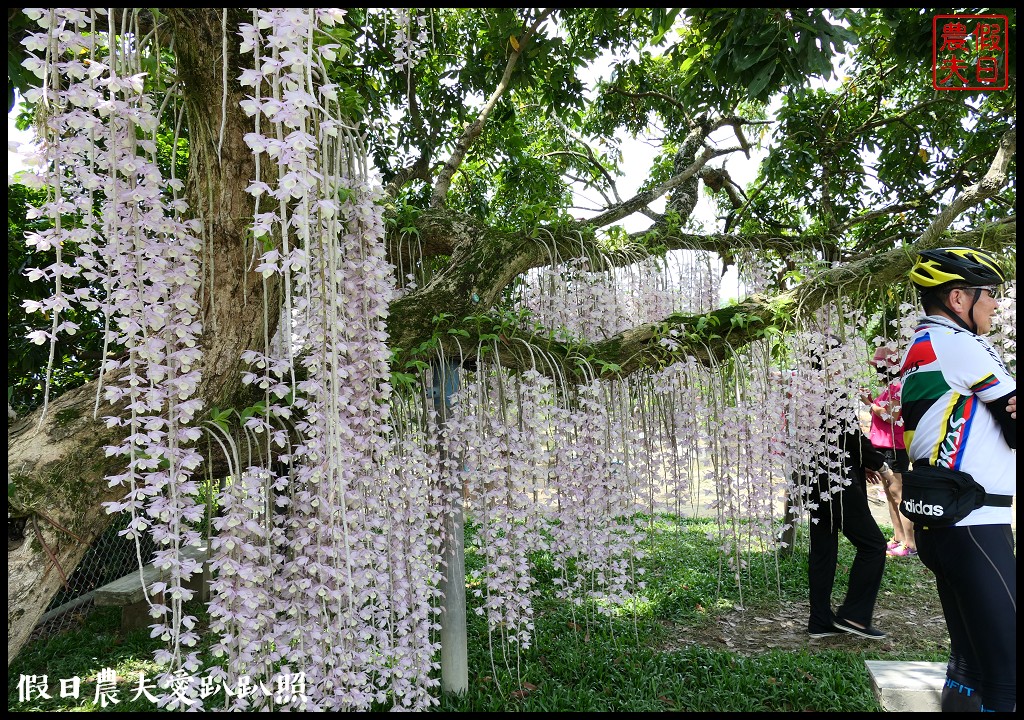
<point>938,497</point>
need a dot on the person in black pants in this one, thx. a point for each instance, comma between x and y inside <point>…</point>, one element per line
<point>846,511</point>
<point>844,508</point>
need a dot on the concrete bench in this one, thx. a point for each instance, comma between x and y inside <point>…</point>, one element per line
<point>128,592</point>
<point>908,686</point>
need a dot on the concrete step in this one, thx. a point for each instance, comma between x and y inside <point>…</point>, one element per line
<point>129,589</point>
<point>907,686</point>
<point>129,594</point>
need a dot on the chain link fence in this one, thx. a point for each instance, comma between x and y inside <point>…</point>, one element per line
<point>112,556</point>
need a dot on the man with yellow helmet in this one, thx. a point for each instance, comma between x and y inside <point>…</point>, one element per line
<point>938,272</point>
<point>959,414</point>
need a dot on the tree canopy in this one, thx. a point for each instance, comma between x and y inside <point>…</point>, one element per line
<point>512,135</point>
<point>438,185</point>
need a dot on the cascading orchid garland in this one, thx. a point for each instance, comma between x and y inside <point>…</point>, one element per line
<point>502,441</point>
<point>745,478</point>
<point>822,406</point>
<point>110,202</point>
<point>408,49</point>
<point>543,473</point>
<point>586,303</point>
<point>541,476</point>
<point>595,541</point>
<point>350,596</point>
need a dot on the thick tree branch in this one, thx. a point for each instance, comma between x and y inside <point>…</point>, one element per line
<point>462,145</point>
<point>718,179</point>
<point>641,200</point>
<point>985,188</point>
<point>419,170</point>
<point>485,261</point>
<point>710,337</point>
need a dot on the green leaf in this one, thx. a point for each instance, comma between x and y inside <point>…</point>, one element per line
<point>221,417</point>
<point>401,379</point>
<point>753,58</point>
<point>760,81</point>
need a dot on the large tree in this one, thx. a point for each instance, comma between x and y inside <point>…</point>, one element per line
<point>486,132</point>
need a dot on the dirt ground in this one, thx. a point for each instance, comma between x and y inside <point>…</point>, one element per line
<point>750,632</point>
<point>916,626</point>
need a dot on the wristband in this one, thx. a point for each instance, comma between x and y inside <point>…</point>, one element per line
<point>885,469</point>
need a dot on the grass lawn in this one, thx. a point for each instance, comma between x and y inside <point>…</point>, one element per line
<point>691,647</point>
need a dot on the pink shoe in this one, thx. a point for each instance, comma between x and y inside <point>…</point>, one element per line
<point>892,544</point>
<point>900,551</point>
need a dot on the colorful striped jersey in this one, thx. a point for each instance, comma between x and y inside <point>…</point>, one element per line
<point>948,376</point>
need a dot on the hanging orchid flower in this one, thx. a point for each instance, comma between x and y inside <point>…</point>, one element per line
<point>141,258</point>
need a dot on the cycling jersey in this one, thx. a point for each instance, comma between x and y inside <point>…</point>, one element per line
<point>948,375</point>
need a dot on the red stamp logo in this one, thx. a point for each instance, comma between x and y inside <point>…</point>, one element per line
<point>969,52</point>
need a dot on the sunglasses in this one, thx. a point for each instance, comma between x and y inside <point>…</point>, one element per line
<point>994,291</point>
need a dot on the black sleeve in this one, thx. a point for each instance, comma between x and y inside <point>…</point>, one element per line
<point>862,454</point>
<point>1007,423</point>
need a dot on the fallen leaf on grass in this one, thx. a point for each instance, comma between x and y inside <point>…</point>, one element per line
<point>524,691</point>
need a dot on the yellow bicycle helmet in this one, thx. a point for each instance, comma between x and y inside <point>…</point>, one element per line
<point>944,266</point>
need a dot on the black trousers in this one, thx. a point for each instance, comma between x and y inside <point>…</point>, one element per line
<point>846,512</point>
<point>975,571</point>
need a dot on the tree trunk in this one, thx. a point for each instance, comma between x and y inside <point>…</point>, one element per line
<point>56,487</point>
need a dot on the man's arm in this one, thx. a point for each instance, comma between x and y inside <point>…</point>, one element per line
<point>862,453</point>
<point>1005,411</point>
